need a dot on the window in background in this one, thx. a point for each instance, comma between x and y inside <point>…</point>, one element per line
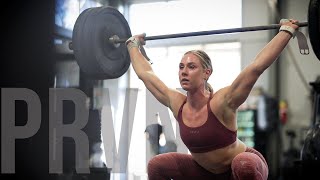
<point>184,16</point>
<point>66,14</point>
<point>67,11</point>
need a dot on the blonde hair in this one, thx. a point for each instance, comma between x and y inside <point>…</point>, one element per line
<point>205,62</point>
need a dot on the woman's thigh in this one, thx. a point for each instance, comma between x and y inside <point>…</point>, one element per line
<point>179,166</point>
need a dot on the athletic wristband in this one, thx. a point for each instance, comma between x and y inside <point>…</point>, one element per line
<point>288,29</point>
<point>132,42</point>
<point>284,21</point>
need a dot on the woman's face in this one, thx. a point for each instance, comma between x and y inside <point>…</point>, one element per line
<point>191,73</point>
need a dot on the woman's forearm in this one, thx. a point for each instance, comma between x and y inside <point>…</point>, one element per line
<point>139,62</point>
<point>271,51</point>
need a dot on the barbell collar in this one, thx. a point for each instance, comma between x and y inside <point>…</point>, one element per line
<point>211,32</point>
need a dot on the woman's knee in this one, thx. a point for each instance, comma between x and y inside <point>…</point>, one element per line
<point>162,166</point>
<point>248,165</point>
<point>154,164</point>
<point>159,163</point>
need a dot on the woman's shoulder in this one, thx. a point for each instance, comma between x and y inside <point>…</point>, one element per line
<point>219,99</point>
<point>177,98</point>
<point>219,106</point>
<point>221,92</point>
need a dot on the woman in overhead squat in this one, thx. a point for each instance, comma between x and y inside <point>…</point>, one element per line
<point>207,119</point>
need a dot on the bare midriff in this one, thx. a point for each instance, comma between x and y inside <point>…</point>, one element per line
<point>219,160</point>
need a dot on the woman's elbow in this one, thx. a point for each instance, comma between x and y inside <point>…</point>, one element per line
<point>144,75</point>
<point>258,69</point>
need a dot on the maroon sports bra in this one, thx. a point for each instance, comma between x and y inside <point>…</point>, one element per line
<point>207,137</point>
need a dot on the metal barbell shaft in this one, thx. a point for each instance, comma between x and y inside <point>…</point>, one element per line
<point>202,33</point>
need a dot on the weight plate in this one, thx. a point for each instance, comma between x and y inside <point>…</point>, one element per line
<point>96,56</point>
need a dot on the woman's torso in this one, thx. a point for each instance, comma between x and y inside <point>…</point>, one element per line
<point>218,160</point>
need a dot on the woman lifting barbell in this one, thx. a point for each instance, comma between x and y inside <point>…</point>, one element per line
<point>207,119</point>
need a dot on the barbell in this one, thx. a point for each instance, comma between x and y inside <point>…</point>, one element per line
<point>99,34</point>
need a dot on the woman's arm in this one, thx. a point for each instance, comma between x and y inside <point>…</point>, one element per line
<point>239,90</point>
<point>144,71</point>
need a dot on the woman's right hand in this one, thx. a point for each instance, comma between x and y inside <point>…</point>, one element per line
<point>136,40</point>
<point>140,38</point>
<point>289,25</point>
<point>290,22</point>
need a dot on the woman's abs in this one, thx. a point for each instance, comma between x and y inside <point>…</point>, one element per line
<point>219,161</point>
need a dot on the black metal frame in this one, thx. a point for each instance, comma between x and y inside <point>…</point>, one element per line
<point>316,101</point>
